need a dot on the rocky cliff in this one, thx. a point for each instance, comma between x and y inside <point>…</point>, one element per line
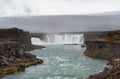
<point>17,35</point>
<point>109,72</point>
<point>13,58</point>
<point>102,44</point>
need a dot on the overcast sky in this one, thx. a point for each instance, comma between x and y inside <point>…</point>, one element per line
<point>59,7</point>
<point>56,7</point>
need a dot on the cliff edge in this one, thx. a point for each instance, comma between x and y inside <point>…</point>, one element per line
<point>104,45</point>
<point>13,58</point>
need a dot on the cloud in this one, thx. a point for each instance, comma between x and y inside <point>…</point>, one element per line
<point>56,7</point>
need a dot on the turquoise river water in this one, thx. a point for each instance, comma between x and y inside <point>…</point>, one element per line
<point>61,62</point>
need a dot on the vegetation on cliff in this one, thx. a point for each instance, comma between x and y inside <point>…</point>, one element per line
<point>13,44</point>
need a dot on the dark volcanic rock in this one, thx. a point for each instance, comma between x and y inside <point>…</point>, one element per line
<point>13,44</point>
<point>15,34</point>
<point>83,45</point>
<point>112,72</point>
<point>104,45</point>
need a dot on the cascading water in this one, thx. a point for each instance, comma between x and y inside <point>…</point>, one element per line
<point>58,39</point>
<point>61,61</point>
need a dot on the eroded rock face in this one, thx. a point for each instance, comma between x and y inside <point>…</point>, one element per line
<point>104,45</point>
<point>16,35</point>
<point>13,58</point>
<point>100,49</point>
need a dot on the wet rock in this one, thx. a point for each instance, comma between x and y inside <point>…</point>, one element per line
<point>40,61</point>
<point>83,45</point>
<point>109,73</point>
<point>29,55</point>
<point>104,45</point>
<point>19,53</point>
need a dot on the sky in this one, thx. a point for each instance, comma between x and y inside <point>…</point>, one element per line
<point>56,7</point>
<point>11,8</point>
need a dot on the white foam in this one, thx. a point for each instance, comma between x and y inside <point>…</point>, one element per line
<point>58,39</point>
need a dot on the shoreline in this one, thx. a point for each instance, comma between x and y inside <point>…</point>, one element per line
<point>15,43</point>
<point>17,63</point>
<point>104,45</point>
<point>14,46</point>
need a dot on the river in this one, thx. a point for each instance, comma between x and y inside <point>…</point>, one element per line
<point>61,62</point>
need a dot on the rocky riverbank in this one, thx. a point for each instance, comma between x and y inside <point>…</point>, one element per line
<point>13,46</point>
<point>109,72</point>
<point>104,45</point>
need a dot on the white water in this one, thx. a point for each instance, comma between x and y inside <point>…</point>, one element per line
<point>58,39</point>
<point>61,62</point>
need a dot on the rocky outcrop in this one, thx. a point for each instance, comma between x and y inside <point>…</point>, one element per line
<point>110,72</point>
<point>13,58</point>
<point>103,45</point>
<point>17,35</point>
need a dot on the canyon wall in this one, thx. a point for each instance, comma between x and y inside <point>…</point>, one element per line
<point>103,45</point>
<point>13,46</point>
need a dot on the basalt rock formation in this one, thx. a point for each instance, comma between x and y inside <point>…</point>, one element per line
<point>17,35</point>
<point>13,58</point>
<point>104,45</point>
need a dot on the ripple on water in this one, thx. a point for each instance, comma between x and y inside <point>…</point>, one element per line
<point>61,62</point>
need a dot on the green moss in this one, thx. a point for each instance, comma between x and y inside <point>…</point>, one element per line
<point>8,70</point>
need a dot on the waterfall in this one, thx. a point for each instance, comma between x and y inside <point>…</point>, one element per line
<point>58,39</point>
